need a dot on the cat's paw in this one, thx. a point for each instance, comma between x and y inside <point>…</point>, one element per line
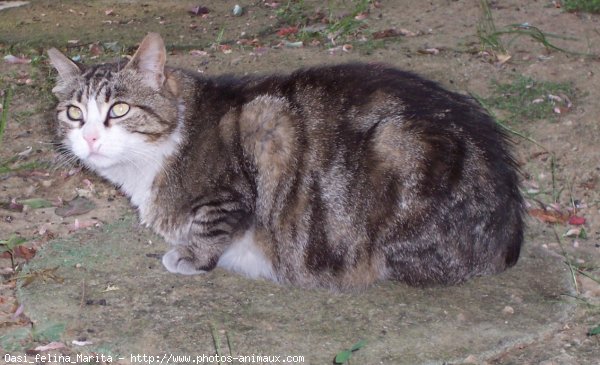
<point>178,261</point>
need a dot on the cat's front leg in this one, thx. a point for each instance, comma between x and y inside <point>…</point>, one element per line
<point>210,233</point>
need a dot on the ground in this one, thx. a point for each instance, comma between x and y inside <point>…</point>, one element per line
<point>558,151</point>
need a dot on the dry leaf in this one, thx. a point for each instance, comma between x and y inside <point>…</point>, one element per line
<point>503,58</point>
<point>77,206</point>
<point>573,232</point>
<point>199,10</point>
<point>432,51</point>
<point>110,287</point>
<point>548,216</point>
<point>199,53</point>
<point>283,32</point>
<point>16,60</point>
<point>50,346</point>
<point>361,16</point>
<point>81,343</point>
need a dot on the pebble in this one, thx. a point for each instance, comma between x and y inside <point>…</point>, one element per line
<point>508,310</point>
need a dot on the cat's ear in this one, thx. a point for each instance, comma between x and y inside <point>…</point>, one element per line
<point>67,69</point>
<point>149,60</point>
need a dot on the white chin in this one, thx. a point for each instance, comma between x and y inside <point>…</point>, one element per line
<point>98,161</point>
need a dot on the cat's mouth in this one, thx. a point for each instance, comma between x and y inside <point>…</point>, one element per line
<point>98,159</point>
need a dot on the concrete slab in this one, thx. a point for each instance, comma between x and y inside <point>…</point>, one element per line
<point>115,293</point>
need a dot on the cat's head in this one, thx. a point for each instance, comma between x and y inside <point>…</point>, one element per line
<point>120,113</point>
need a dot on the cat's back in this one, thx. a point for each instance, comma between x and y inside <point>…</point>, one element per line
<point>368,163</point>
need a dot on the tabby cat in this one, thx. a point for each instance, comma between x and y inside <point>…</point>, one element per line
<point>334,176</point>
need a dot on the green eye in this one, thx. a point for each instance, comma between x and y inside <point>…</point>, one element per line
<point>118,110</point>
<point>74,113</point>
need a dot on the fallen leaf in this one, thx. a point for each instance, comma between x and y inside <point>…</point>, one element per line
<point>77,225</point>
<point>81,343</point>
<point>431,51</point>
<point>573,232</point>
<point>50,346</point>
<point>12,206</point>
<point>283,32</point>
<point>37,203</point>
<point>548,216</point>
<point>361,16</point>
<point>16,60</point>
<point>199,53</point>
<point>110,287</point>
<point>96,49</point>
<point>576,220</point>
<point>594,331</point>
<point>502,58</point>
<point>18,312</point>
<point>225,48</point>
<point>298,44</point>
<point>387,33</point>
<point>25,252</point>
<point>392,32</point>
<point>199,10</point>
<point>77,206</point>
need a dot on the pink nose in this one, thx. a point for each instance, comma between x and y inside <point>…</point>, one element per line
<point>91,139</point>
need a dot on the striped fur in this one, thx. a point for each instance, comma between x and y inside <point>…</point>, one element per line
<point>334,177</point>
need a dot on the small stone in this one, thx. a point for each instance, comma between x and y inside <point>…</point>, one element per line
<point>508,310</point>
<point>471,359</point>
<point>238,10</point>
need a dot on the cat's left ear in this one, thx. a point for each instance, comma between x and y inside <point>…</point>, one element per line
<point>149,60</point>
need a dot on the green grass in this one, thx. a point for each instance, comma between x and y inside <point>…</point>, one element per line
<point>4,116</point>
<point>294,13</point>
<point>525,99</point>
<point>494,40</point>
<point>338,29</point>
<point>589,6</point>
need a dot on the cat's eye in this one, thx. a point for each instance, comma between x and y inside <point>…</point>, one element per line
<point>118,110</point>
<point>74,113</point>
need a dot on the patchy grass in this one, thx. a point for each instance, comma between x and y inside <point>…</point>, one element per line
<point>327,28</point>
<point>7,95</point>
<point>589,6</point>
<point>492,40</point>
<point>293,13</point>
<point>525,99</point>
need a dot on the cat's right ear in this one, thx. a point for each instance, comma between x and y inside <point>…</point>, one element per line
<point>67,69</point>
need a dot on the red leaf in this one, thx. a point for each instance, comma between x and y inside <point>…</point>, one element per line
<point>287,31</point>
<point>576,220</point>
<point>24,252</point>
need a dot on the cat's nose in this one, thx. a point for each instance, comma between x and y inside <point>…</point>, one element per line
<point>91,138</point>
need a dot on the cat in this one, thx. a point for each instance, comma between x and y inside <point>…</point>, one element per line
<point>329,177</point>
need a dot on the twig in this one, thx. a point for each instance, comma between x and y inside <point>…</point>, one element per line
<point>567,261</point>
<point>82,293</point>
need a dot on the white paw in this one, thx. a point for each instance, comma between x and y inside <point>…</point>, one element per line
<point>177,263</point>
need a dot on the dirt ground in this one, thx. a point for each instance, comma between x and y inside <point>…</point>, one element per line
<point>438,40</point>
